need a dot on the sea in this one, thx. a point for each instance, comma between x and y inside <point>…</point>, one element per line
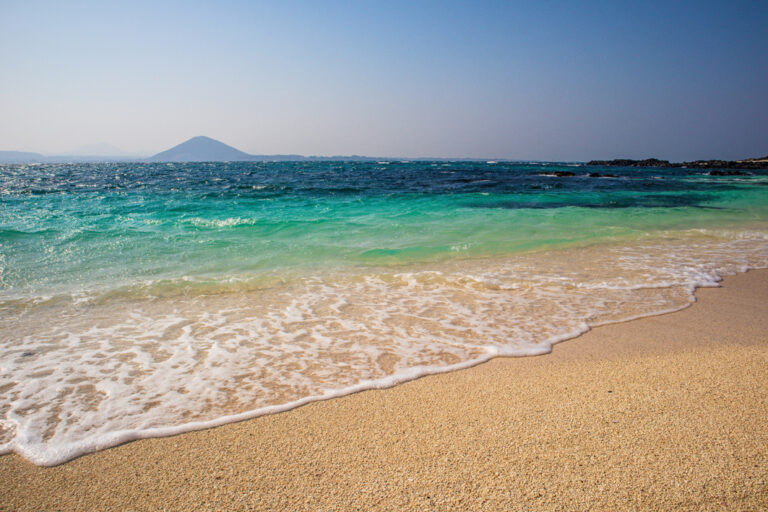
<point>149,299</point>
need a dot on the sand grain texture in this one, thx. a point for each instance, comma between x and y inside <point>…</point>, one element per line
<point>663,413</point>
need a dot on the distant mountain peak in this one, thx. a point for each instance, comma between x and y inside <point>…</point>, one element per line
<point>201,149</point>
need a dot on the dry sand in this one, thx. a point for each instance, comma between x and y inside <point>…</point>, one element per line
<point>663,413</point>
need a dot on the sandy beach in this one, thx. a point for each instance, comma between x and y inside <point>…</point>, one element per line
<point>662,413</point>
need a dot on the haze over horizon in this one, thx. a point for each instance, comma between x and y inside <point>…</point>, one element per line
<point>551,81</point>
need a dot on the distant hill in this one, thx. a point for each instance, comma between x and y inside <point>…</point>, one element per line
<point>196,149</point>
<point>206,149</point>
<point>21,157</point>
<point>202,149</point>
<point>27,157</point>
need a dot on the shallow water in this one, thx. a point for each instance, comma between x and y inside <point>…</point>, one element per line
<point>147,299</point>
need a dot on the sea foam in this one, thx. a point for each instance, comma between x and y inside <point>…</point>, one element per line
<point>82,375</point>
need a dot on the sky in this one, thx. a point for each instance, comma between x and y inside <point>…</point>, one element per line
<point>545,80</point>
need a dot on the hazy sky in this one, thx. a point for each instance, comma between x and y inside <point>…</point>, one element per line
<point>528,80</point>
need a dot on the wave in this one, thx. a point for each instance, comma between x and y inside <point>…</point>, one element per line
<point>82,376</point>
<point>220,223</point>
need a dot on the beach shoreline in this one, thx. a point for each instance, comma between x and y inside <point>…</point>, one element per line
<point>663,412</point>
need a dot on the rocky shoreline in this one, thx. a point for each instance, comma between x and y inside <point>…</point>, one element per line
<point>748,163</point>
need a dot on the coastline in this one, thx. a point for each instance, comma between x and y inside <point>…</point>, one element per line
<point>663,412</point>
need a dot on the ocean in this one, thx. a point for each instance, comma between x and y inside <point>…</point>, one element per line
<point>141,300</point>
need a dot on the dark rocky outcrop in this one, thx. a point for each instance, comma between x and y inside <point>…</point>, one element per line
<point>751,163</point>
<point>559,174</point>
<point>748,163</point>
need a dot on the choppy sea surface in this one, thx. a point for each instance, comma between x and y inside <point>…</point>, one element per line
<point>141,300</point>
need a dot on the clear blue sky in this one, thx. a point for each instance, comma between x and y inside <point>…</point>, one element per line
<point>529,80</point>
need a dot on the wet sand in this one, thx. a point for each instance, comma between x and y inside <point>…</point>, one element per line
<point>668,412</point>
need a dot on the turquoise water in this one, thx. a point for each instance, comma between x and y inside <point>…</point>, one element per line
<point>66,227</point>
<point>147,299</point>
